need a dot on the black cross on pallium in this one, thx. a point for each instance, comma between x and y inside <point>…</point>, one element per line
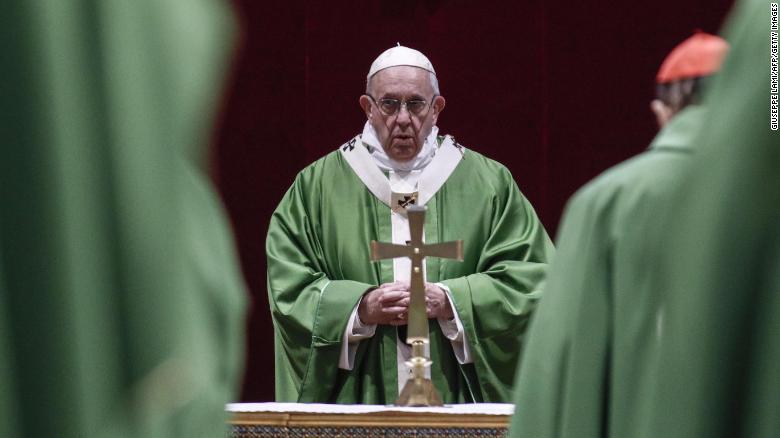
<point>458,146</point>
<point>407,201</point>
<point>350,145</point>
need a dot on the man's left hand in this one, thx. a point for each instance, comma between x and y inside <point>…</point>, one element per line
<point>437,303</point>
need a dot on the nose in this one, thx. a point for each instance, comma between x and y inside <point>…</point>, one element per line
<point>403,117</point>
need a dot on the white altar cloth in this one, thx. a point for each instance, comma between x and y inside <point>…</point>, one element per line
<point>319,408</point>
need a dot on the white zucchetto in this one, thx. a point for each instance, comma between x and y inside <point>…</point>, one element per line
<point>400,55</point>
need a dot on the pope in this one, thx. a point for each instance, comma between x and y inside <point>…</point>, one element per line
<point>339,319</point>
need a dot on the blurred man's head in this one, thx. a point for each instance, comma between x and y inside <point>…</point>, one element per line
<point>679,80</point>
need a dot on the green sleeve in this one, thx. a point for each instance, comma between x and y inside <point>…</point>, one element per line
<point>310,309</point>
<point>496,301</point>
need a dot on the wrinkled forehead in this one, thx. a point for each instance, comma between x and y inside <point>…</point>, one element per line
<point>401,81</point>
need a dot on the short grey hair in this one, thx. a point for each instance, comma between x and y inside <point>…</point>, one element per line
<point>431,75</point>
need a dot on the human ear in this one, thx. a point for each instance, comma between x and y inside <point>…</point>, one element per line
<point>365,103</point>
<point>663,113</point>
<point>438,106</point>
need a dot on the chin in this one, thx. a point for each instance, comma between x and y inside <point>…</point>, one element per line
<point>403,153</point>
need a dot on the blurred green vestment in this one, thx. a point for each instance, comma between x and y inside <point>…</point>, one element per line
<point>720,348</point>
<point>594,337</point>
<point>121,306</point>
<point>707,363</point>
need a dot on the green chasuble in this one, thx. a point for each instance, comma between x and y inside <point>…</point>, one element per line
<point>593,339</point>
<point>720,375</point>
<point>319,267</point>
<point>120,301</point>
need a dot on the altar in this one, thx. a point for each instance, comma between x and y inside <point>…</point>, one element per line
<point>255,420</point>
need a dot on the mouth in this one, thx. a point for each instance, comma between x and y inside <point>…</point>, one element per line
<point>402,147</point>
<point>403,138</point>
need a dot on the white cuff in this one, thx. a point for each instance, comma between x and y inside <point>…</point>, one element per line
<point>453,330</point>
<point>353,334</point>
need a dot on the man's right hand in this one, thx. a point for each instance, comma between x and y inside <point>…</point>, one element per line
<point>388,304</point>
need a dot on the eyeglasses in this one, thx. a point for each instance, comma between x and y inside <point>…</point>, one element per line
<point>391,107</point>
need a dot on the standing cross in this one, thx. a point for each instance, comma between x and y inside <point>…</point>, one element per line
<point>416,250</point>
<point>418,391</point>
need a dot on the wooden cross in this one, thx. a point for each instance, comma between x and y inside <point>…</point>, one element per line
<point>417,329</point>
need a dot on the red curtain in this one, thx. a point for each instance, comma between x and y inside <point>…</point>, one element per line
<point>556,92</point>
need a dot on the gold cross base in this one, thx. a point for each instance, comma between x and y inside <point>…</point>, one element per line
<point>418,391</point>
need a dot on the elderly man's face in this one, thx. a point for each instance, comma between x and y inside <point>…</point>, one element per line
<point>402,134</point>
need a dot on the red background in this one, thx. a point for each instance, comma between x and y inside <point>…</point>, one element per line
<point>556,92</point>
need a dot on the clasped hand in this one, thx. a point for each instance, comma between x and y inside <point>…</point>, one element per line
<point>388,304</point>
